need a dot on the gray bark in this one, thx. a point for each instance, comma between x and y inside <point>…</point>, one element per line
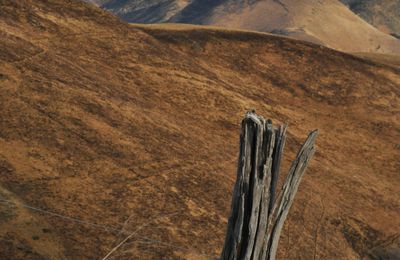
<point>257,218</point>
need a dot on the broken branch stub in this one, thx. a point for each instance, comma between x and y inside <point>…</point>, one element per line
<point>257,216</point>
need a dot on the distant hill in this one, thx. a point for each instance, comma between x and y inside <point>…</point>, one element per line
<point>145,11</point>
<point>324,22</point>
<point>109,129</point>
<point>383,14</point>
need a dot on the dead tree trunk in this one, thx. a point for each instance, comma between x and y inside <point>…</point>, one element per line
<point>257,218</point>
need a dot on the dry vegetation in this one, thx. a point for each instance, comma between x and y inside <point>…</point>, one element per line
<point>391,60</point>
<point>326,22</point>
<point>137,127</point>
<point>383,14</point>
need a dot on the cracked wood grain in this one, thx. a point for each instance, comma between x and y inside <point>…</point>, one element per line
<point>256,219</point>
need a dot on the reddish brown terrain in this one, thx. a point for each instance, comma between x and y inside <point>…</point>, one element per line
<point>115,129</point>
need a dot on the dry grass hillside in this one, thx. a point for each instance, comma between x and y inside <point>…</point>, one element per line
<point>388,59</point>
<point>114,129</point>
<point>383,14</point>
<point>327,22</point>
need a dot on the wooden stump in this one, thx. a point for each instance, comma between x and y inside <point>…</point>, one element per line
<point>257,215</point>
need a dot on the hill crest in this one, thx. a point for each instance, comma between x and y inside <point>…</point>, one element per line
<point>325,22</point>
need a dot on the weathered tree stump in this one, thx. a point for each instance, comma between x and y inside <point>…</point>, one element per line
<point>257,216</point>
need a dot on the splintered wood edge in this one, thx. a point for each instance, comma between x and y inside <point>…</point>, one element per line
<point>289,191</point>
<point>261,219</point>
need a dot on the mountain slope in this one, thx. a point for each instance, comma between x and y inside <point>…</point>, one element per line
<point>113,129</point>
<point>325,22</point>
<point>153,11</point>
<point>383,14</point>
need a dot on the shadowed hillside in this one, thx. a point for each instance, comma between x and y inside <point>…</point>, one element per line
<point>325,22</point>
<point>383,14</point>
<point>145,11</point>
<point>108,129</point>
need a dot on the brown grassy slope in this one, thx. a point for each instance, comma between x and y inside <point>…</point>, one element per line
<point>137,128</point>
<point>327,22</point>
<point>391,60</point>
